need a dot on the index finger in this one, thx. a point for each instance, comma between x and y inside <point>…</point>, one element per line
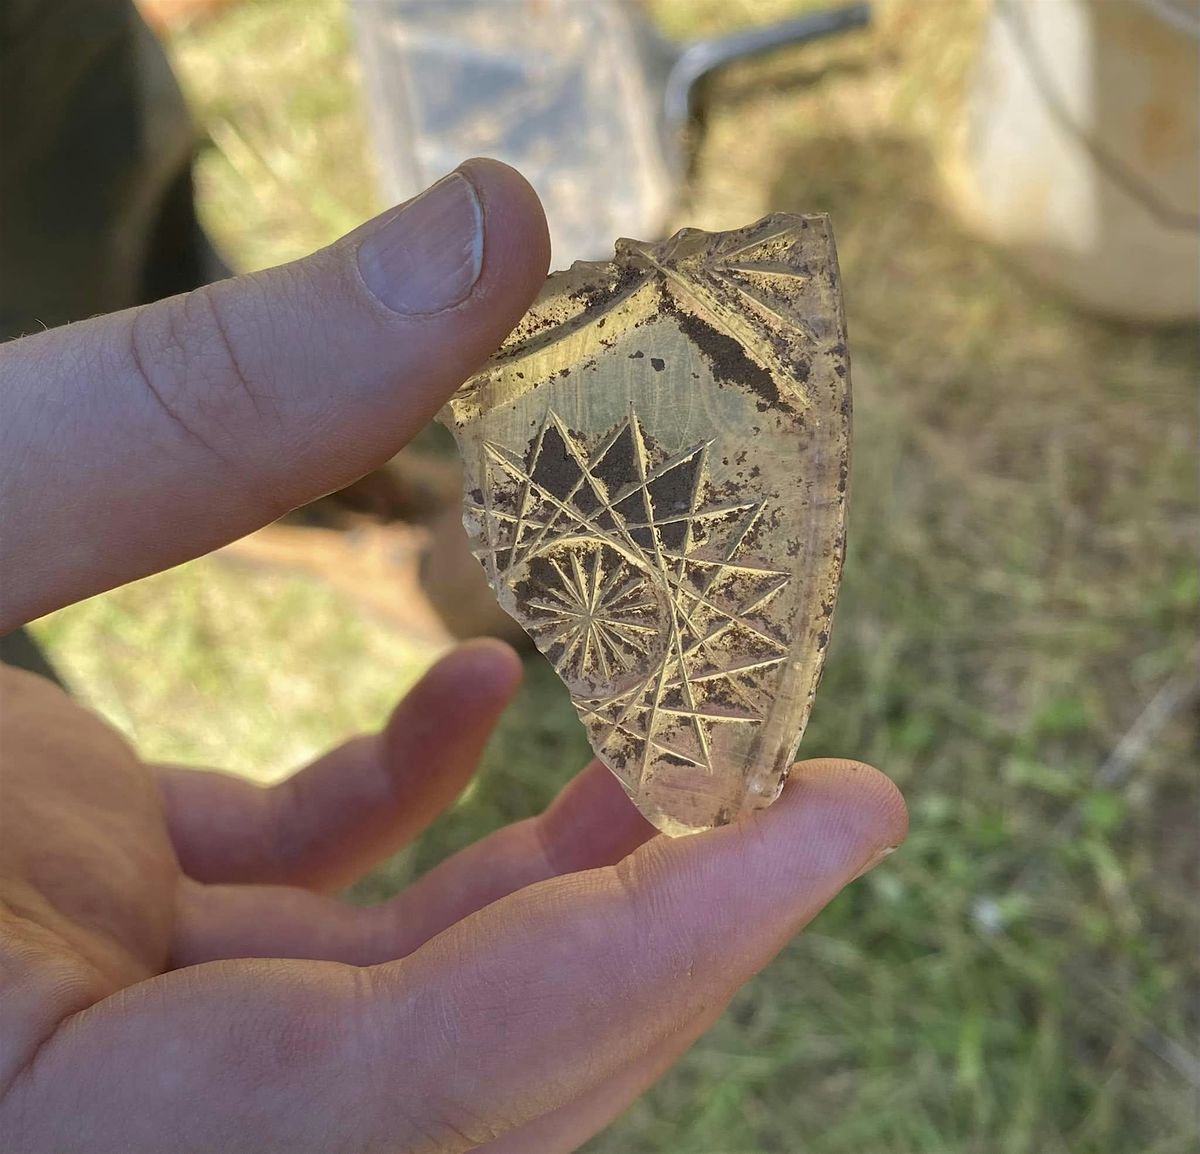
<point>132,442</point>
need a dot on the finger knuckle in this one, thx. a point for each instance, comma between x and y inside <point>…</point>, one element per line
<point>159,359</point>
<point>195,363</point>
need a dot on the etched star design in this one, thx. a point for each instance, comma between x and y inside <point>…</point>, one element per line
<point>635,584</point>
<point>760,275</point>
<point>595,612</point>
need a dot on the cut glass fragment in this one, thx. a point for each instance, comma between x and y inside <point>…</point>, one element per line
<point>662,449</point>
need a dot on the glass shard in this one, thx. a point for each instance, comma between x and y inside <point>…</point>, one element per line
<point>656,463</point>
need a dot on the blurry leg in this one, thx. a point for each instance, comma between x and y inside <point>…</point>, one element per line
<point>95,176</point>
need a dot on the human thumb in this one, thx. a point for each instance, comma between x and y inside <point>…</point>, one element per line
<point>135,441</point>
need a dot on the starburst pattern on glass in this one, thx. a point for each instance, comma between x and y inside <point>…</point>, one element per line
<point>638,583</point>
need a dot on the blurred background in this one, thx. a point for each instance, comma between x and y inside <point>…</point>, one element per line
<point>1013,187</point>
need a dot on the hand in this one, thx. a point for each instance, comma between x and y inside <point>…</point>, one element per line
<point>173,972</point>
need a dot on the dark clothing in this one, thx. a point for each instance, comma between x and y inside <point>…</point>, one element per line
<point>96,145</point>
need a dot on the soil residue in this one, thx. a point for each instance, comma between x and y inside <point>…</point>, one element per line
<point>730,363</point>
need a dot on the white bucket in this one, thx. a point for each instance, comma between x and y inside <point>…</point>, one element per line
<point>1082,150</point>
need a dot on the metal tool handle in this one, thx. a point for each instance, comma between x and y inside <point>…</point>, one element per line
<point>704,56</point>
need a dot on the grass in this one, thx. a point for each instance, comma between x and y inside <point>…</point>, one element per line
<point>1020,585</point>
<point>212,664</point>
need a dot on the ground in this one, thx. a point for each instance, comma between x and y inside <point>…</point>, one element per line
<point>1013,643</point>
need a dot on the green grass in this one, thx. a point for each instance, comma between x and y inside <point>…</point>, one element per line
<point>220,664</point>
<point>1020,584</point>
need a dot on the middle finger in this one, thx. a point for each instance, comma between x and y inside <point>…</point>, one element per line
<point>591,823</point>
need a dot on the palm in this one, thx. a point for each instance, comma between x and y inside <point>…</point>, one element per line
<point>146,868</point>
<point>116,874</point>
<point>86,860</point>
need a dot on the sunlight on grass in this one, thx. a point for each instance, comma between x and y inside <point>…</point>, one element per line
<point>275,87</point>
<point>215,664</point>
